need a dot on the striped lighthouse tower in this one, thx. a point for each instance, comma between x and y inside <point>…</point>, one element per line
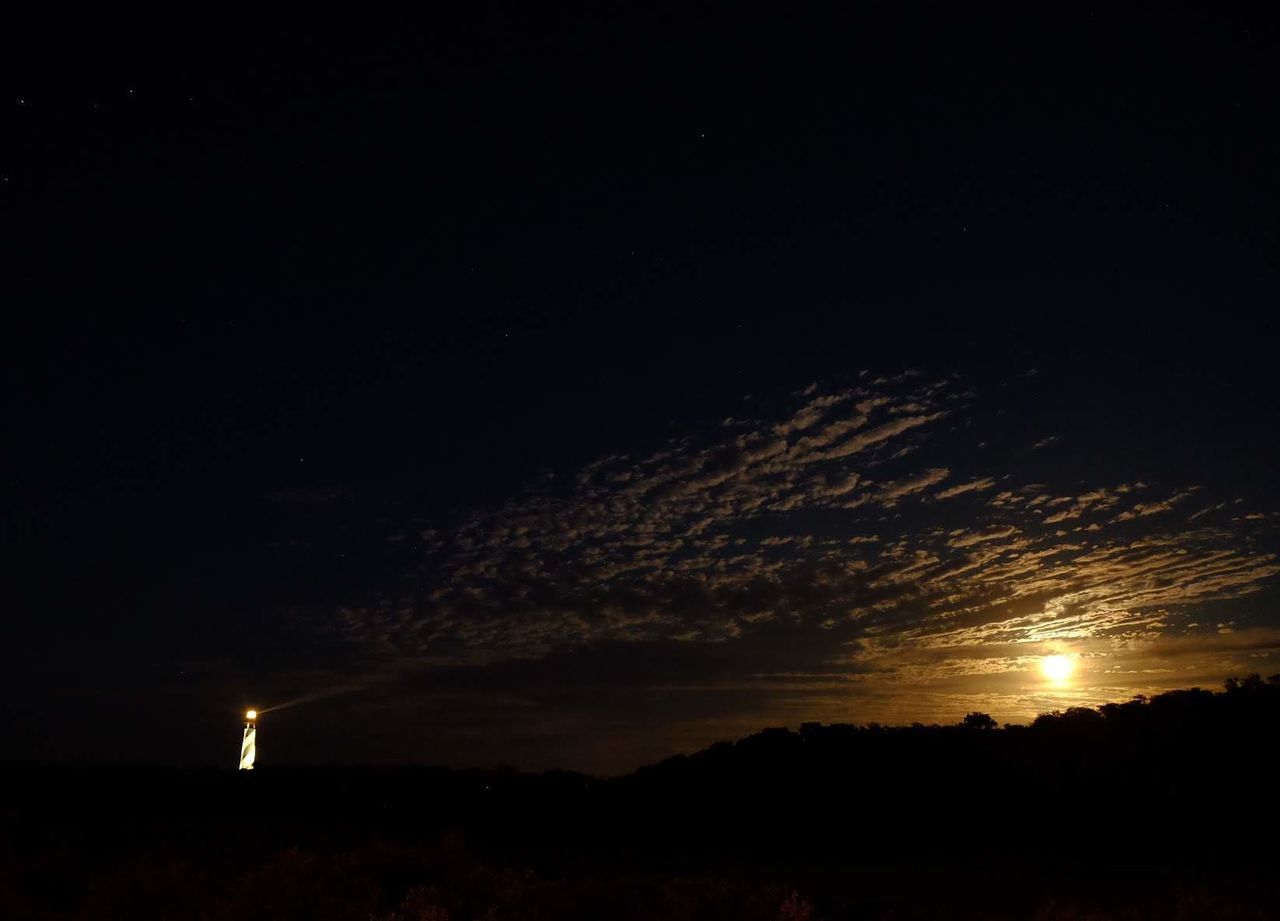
<point>249,745</point>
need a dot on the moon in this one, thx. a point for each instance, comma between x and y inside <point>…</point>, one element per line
<point>1057,668</point>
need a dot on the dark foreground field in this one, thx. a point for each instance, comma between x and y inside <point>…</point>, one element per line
<point>1152,809</point>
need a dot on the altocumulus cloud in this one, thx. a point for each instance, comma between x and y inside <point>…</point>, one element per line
<point>820,521</point>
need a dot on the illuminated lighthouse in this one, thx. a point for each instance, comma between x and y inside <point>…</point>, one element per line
<point>249,746</point>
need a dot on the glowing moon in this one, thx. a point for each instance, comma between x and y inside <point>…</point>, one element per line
<point>1057,668</point>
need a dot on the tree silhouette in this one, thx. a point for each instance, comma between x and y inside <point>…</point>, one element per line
<point>976,720</point>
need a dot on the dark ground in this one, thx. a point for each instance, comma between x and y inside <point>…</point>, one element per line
<point>1152,809</point>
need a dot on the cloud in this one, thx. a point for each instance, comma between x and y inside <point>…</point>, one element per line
<point>969,538</point>
<point>892,492</point>
<point>1097,500</point>
<point>875,436</point>
<point>798,526</point>
<point>1142,510</point>
<point>962,488</point>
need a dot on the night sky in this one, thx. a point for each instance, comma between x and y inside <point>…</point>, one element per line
<point>576,390</point>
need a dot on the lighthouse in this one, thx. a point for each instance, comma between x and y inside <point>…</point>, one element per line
<point>249,745</point>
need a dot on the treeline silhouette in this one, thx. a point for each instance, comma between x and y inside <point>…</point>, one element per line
<point>1183,776</point>
<point>1159,807</point>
